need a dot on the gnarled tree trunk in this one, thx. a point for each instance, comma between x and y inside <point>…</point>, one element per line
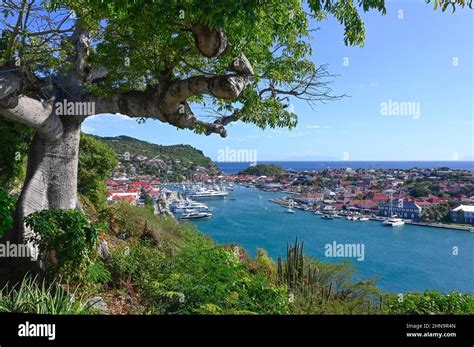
<point>50,183</point>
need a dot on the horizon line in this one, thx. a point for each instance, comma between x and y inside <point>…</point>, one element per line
<point>344,161</point>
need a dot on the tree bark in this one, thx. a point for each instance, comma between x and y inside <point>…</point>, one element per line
<point>50,183</point>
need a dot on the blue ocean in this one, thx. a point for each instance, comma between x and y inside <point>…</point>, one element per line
<point>231,168</point>
<point>406,258</point>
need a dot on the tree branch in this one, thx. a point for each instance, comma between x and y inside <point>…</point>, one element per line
<point>80,39</point>
<point>168,101</point>
<point>38,115</point>
<point>210,42</point>
<point>26,110</point>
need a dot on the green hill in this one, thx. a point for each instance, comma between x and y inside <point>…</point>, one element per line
<point>166,162</point>
<point>263,170</point>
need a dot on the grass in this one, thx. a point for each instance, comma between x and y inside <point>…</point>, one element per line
<point>34,296</point>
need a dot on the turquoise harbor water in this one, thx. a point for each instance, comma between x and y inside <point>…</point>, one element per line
<point>404,259</point>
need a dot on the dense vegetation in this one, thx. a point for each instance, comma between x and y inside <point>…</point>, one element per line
<point>96,162</point>
<point>263,170</point>
<point>437,213</point>
<point>171,162</point>
<point>155,265</point>
<point>6,212</point>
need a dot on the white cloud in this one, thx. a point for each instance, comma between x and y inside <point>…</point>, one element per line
<point>316,126</point>
<point>370,84</point>
<point>108,117</point>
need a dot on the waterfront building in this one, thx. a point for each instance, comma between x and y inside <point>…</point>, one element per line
<point>463,214</point>
<point>308,198</point>
<point>365,205</point>
<point>401,208</point>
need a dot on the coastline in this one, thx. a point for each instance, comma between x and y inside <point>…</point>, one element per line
<point>281,202</point>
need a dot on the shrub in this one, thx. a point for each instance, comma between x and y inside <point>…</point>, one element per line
<point>68,237</point>
<point>207,276</point>
<point>200,278</point>
<point>263,264</point>
<point>7,206</point>
<point>430,302</point>
<point>97,273</point>
<point>324,288</point>
<point>96,162</point>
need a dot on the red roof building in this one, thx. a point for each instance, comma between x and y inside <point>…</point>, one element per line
<point>380,197</point>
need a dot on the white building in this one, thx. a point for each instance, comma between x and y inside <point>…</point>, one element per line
<point>463,214</point>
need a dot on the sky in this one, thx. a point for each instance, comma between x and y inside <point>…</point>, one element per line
<point>415,59</point>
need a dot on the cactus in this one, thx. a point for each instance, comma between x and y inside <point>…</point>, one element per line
<point>305,281</point>
<point>292,271</point>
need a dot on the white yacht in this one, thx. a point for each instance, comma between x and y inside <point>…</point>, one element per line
<point>182,206</point>
<point>201,193</point>
<point>394,221</point>
<point>196,215</point>
<point>363,219</point>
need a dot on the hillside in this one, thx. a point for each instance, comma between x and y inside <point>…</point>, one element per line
<point>167,162</point>
<point>263,170</point>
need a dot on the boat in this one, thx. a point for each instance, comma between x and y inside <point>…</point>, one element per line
<point>349,217</point>
<point>327,216</point>
<point>196,215</point>
<point>182,206</point>
<point>290,210</point>
<point>317,212</point>
<point>291,204</point>
<point>394,222</point>
<point>336,215</point>
<point>202,193</point>
<point>363,219</point>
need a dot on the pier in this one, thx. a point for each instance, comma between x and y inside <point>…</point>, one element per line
<point>284,202</point>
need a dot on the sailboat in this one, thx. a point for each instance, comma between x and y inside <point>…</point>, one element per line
<point>393,220</point>
<point>290,207</point>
